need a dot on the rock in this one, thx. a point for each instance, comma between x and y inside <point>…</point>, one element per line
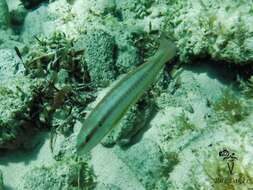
<point>37,22</point>
<point>145,160</point>
<point>68,174</point>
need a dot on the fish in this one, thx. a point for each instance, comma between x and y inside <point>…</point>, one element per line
<point>119,99</point>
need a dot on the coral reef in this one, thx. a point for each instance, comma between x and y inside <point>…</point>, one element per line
<point>68,174</point>
<point>217,28</point>
<point>63,72</point>
<point>67,53</point>
<point>195,137</point>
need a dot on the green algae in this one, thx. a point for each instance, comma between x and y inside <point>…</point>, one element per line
<point>171,159</point>
<point>183,123</point>
<point>231,108</point>
<point>69,88</point>
<point>69,174</point>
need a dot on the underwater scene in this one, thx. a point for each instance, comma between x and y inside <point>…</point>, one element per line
<point>126,94</point>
